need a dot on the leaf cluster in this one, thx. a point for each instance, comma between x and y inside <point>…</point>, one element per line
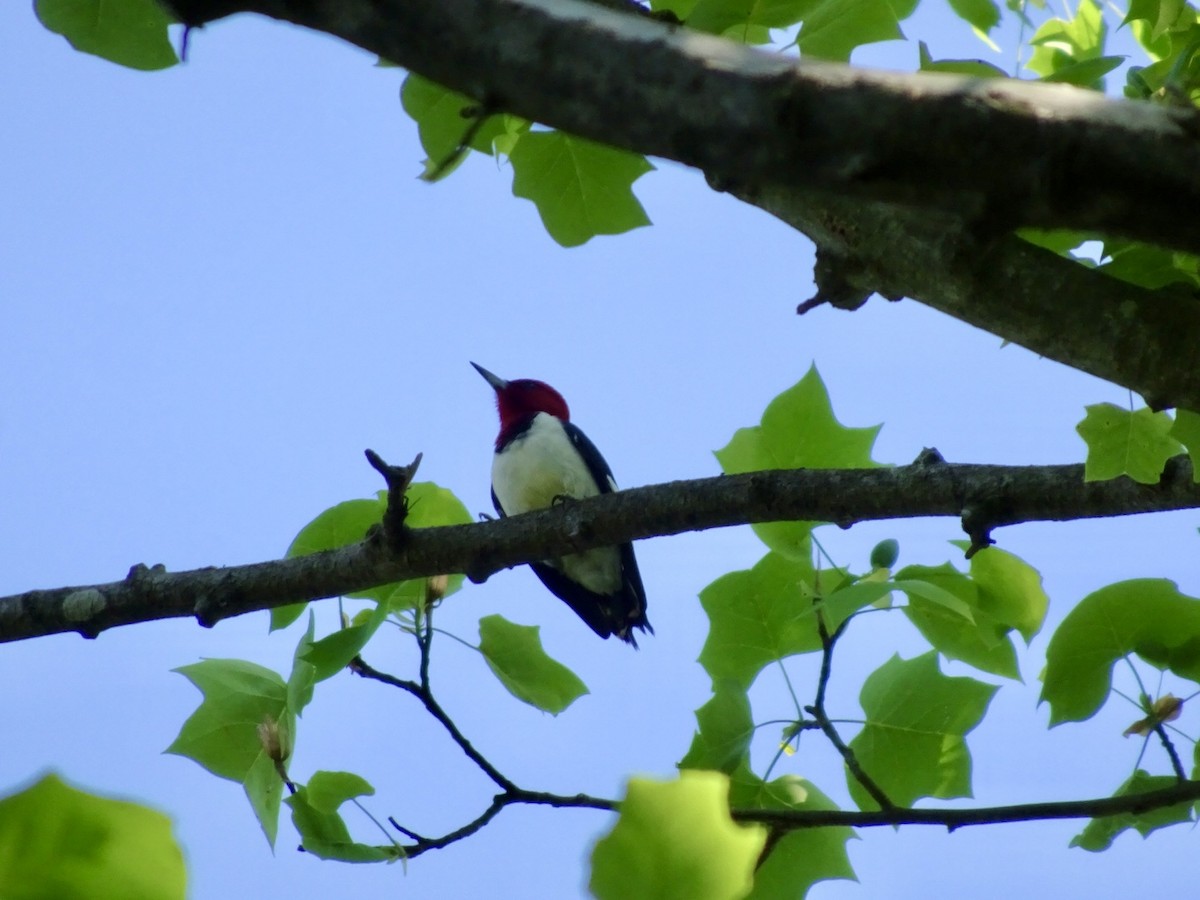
<point>906,740</point>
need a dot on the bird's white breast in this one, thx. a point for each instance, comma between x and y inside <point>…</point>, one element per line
<point>538,466</point>
<point>534,469</point>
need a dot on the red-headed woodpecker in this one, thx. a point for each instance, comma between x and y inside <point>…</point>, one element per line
<point>541,458</point>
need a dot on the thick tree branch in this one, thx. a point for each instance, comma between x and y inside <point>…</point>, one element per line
<point>906,178</point>
<point>1145,340</point>
<point>991,149</point>
<point>987,496</point>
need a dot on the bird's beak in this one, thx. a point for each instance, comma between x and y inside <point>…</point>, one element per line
<point>495,381</point>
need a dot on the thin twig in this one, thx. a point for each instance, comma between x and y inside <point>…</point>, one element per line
<point>817,711</point>
<point>420,845</point>
<point>1176,762</point>
<point>434,709</point>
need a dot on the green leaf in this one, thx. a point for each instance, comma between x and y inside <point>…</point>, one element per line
<point>334,652</point>
<point>130,33</point>
<point>62,843</point>
<point>913,744</point>
<point>757,616</point>
<point>768,613</point>
<point>514,654</point>
<point>581,188</point>
<point>675,840</point>
<point>329,790</point>
<point>724,731</point>
<point>982,14</point>
<point>304,674</point>
<point>1186,430</point>
<point>975,637</point>
<point>443,119</point>
<point>1099,834</point>
<point>322,832</point>
<point>1010,590</point>
<point>1057,240</point>
<point>1148,266</point>
<point>222,734</point>
<point>264,789</point>
<point>973,68</point>
<point>1145,616</point>
<point>848,598</point>
<point>802,857</point>
<point>1137,444</point>
<point>718,16</point>
<point>682,9</point>
<point>1086,73</point>
<point>340,525</point>
<point>834,28</point>
<point>1161,15</point>
<point>954,595</point>
<point>1061,43</point>
<point>798,431</point>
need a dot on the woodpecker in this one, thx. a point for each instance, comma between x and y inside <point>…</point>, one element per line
<point>542,458</point>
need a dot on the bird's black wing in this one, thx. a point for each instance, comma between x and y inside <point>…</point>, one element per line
<point>630,611</point>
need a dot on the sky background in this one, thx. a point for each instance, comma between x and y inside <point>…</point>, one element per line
<point>220,283</point>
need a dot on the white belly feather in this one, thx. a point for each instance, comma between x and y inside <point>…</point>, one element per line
<point>539,466</point>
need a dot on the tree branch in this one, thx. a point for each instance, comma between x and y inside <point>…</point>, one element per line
<point>992,149</point>
<point>509,792</point>
<point>990,496</point>
<point>1061,310</point>
<point>1183,792</point>
<point>778,821</point>
<point>425,695</point>
<point>906,179</point>
<point>817,711</point>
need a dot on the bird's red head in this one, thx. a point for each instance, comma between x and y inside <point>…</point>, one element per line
<point>520,399</point>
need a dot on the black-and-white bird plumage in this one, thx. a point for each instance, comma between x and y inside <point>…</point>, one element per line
<point>542,457</point>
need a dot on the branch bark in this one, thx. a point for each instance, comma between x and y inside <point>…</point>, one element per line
<point>1062,310</point>
<point>952,818</point>
<point>910,180</point>
<point>989,149</point>
<point>984,497</point>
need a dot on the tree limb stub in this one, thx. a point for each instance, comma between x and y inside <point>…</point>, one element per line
<point>994,495</point>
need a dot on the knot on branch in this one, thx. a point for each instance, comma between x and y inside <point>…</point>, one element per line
<point>835,274</point>
<point>83,606</point>
<point>929,456</point>
<point>197,13</point>
<point>214,601</point>
<point>141,574</point>
<point>978,524</point>
<point>1176,471</point>
<point>398,479</point>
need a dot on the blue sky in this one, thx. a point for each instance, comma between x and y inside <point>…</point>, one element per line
<point>220,283</point>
